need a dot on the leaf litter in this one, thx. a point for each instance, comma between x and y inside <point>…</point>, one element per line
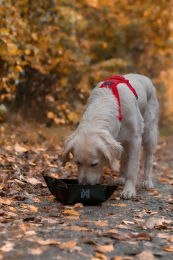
<point>29,212</point>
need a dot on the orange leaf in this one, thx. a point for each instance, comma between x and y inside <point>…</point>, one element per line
<point>50,115</point>
<point>70,211</point>
<point>121,205</point>
<point>104,249</point>
<point>101,223</point>
<point>19,68</point>
<point>168,248</point>
<point>5,201</point>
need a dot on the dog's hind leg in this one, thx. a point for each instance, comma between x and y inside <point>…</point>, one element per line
<point>149,143</point>
<point>129,190</point>
<point>149,147</point>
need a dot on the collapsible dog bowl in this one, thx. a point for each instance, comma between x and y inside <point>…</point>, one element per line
<point>70,192</point>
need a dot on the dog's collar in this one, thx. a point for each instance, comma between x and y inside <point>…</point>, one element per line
<point>112,83</point>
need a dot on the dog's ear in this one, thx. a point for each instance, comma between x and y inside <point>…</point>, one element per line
<point>68,147</point>
<point>110,148</point>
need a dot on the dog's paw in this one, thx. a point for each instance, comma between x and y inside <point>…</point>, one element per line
<point>120,181</point>
<point>147,184</point>
<point>128,194</point>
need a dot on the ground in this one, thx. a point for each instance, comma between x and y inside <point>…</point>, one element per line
<point>34,225</point>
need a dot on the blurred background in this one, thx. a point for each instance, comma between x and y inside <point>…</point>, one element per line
<point>54,52</point>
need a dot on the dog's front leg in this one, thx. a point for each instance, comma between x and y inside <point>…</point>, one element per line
<point>129,190</point>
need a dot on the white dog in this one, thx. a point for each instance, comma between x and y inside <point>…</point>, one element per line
<point>101,138</point>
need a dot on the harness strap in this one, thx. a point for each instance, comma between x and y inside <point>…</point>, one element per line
<point>112,83</point>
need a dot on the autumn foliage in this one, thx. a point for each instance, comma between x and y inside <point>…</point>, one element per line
<point>53,52</point>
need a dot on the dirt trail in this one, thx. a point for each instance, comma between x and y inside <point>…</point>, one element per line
<point>34,225</point>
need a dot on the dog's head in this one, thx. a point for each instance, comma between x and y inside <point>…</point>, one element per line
<point>91,152</point>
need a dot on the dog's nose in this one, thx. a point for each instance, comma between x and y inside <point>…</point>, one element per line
<point>84,181</point>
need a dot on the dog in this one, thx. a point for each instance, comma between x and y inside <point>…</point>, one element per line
<point>101,138</point>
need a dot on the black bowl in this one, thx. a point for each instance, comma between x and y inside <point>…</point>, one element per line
<point>70,192</point>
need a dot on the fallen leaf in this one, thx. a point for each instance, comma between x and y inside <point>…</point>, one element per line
<point>70,211</point>
<point>168,248</point>
<point>20,149</point>
<point>7,247</point>
<point>151,222</point>
<point>123,226</point>
<point>117,258</point>
<point>2,213</point>
<point>171,239</point>
<point>37,200</point>
<point>35,251</point>
<point>119,237</point>
<point>101,223</point>
<point>5,201</point>
<point>78,228</point>
<point>50,115</point>
<point>6,220</point>
<point>88,241</point>
<point>163,235</point>
<point>51,197</point>
<point>128,222</point>
<point>164,180</point>
<point>122,205</point>
<point>78,205</point>
<point>33,181</point>
<point>142,236</point>
<point>67,245</point>
<point>33,208</point>
<point>12,214</point>
<point>30,233</point>
<point>48,242</point>
<point>104,249</point>
<point>146,255</point>
<point>167,171</point>
<point>140,214</point>
<point>72,217</point>
<point>101,256</point>
<point>12,209</point>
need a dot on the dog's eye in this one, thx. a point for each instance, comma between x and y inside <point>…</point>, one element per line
<point>94,164</point>
<point>78,163</point>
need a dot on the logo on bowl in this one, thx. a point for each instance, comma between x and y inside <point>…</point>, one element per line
<point>85,193</point>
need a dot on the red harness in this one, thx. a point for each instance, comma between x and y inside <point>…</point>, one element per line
<point>112,83</point>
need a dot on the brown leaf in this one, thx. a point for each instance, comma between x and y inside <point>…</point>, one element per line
<point>101,223</point>
<point>168,248</point>
<point>101,256</point>
<point>33,181</point>
<point>146,255</point>
<point>19,149</point>
<point>104,249</point>
<point>48,242</point>
<point>88,241</point>
<point>119,237</point>
<point>122,205</point>
<point>7,247</point>
<point>6,220</point>
<point>151,222</point>
<point>2,213</point>
<point>19,197</point>
<point>140,214</point>
<point>67,245</point>
<point>78,205</point>
<point>5,201</point>
<point>143,236</point>
<point>167,171</point>
<point>35,251</point>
